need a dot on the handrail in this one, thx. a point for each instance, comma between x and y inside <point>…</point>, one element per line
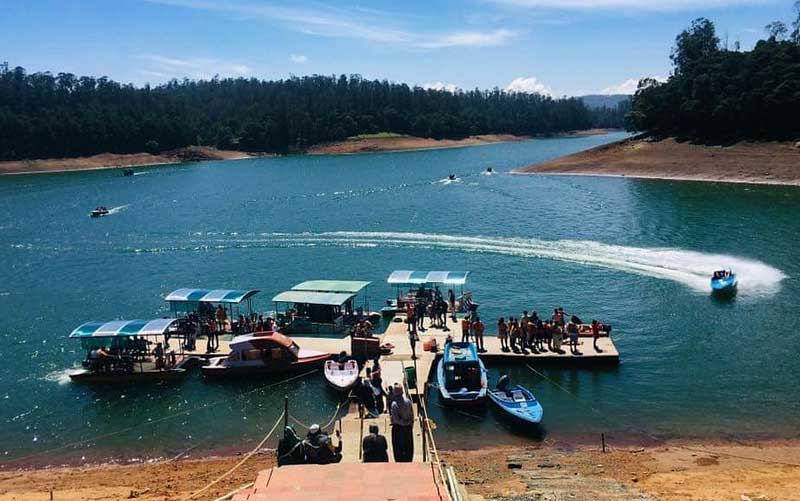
<point>433,452</point>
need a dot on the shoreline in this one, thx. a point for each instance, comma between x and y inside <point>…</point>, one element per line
<point>768,163</point>
<point>672,469</point>
<point>376,143</point>
<point>106,161</point>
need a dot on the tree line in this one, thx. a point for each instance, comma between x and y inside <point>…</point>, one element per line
<point>44,115</point>
<point>721,95</point>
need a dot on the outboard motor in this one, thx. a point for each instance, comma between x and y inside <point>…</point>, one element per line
<point>502,383</point>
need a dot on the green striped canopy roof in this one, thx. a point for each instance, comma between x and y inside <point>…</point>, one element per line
<point>123,328</point>
<point>402,277</point>
<point>351,286</point>
<point>234,296</point>
<point>310,297</point>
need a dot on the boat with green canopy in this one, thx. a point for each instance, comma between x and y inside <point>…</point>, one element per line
<point>129,350</point>
<point>413,284</point>
<point>312,312</point>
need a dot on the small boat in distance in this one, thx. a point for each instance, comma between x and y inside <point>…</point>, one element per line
<point>341,376</point>
<point>262,353</point>
<point>452,177</point>
<point>724,283</point>
<point>127,172</point>
<point>99,211</point>
<point>461,374</point>
<point>517,402</point>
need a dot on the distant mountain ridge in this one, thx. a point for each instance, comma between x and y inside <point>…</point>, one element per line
<point>597,101</point>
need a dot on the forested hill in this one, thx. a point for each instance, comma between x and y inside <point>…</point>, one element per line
<point>717,95</point>
<point>42,115</point>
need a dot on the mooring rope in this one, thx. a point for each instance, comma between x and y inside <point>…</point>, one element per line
<point>244,459</point>
<point>661,440</point>
<point>159,420</point>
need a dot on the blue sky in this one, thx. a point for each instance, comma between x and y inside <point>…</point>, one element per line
<point>564,47</point>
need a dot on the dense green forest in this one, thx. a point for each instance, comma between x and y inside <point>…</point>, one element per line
<point>42,115</point>
<point>720,95</point>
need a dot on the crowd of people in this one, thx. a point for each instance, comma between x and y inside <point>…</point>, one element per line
<point>531,333</point>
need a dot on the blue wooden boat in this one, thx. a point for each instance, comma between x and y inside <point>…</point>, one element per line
<point>517,402</point>
<point>724,282</point>
<point>461,374</point>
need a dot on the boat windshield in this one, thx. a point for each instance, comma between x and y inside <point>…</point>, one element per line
<point>462,375</point>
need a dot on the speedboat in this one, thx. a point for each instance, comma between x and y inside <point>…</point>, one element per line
<point>127,172</point>
<point>451,177</point>
<point>341,376</point>
<point>724,282</point>
<point>517,402</point>
<point>461,374</point>
<point>99,211</point>
<point>261,353</point>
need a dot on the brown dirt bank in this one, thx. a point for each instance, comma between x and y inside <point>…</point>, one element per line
<point>397,142</point>
<point>744,162</point>
<point>146,481</point>
<point>112,160</point>
<point>672,471</point>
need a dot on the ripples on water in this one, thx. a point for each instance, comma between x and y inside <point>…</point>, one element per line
<point>636,254</point>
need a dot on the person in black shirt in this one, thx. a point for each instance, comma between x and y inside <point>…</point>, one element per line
<point>375,447</point>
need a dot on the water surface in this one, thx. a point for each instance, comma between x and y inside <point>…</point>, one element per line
<point>635,253</point>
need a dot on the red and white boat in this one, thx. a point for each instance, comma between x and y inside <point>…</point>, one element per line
<point>264,353</point>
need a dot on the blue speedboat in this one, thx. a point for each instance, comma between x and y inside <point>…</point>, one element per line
<point>461,374</point>
<point>517,402</point>
<point>724,282</point>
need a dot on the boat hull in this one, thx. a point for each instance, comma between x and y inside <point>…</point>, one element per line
<point>87,376</point>
<point>341,380</point>
<point>725,286</point>
<point>216,369</point>
<point>528,411</point>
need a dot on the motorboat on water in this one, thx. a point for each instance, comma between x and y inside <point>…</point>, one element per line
<point>341,376</point>
<point>262,353</point>
<point>452,177</point>
<point>99,211</point>
<point>724,282</point>
<point>516,402</point>
<point>461,374</point>
<point>127,172</point>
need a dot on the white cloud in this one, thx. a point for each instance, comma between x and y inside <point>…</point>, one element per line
<point>449,87</point>
<point>164,68</point>
<point>652,5</point>
<point>529,85</point>
<point>357,24</point>
<point>298,58</point>
<point>468,39</point>
<point>628,86</point>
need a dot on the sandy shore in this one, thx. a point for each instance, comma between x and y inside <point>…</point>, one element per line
<point>757,163</point>
<point>114,160</point>
<point>675,470</point>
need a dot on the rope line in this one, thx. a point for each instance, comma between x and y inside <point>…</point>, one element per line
<point>660,440</point>
<point>159,420</point>
<point>244,459</point>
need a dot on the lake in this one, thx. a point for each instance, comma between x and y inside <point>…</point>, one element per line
<point>635,253</point>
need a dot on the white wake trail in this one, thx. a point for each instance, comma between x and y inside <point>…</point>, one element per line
<point>690,268</point>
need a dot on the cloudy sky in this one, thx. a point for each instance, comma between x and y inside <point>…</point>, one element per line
<point>562,47</point>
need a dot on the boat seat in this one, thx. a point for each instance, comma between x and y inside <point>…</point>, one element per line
<point>518,396</point>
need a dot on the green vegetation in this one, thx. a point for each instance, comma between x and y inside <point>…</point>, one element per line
<point>45,116</point>
<point>717,95</point>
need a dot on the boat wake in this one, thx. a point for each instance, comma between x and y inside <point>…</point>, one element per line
<point>447,180</point>
<point>60,376</point>
<point>117,210</point>
<point>690,268</point>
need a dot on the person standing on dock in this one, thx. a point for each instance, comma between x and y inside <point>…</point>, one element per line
<point>479,327</point>
<point>572,331</point>
<point>465,329</point>
<point>412,339</point>
<point>451,299</point>
<point>222,319</point>
<point>402,417</point>
<point>375,447</point>
<point>502,334</point>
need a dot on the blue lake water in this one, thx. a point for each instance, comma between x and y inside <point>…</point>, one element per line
<point>636,253</point>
